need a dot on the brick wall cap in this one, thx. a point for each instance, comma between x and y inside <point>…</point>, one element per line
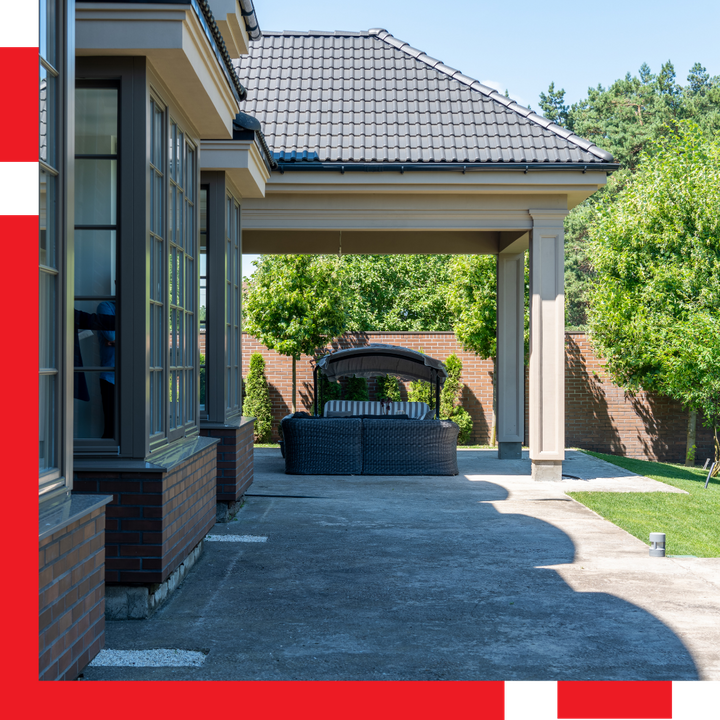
<point>59,514</point>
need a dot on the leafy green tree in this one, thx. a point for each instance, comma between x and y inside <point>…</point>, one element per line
<point>388,388</point>
<point>625,119</point>
<point>655,303</point>
<point>396,292</point>
<point>293,304</point>
<point>257,399</point>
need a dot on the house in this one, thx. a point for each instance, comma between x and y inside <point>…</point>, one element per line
<point>158,167</point>
<point>145,161</point>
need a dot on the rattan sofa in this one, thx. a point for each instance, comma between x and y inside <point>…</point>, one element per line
<point>369,446</point>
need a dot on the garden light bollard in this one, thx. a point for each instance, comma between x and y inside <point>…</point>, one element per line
<point>657,544</point>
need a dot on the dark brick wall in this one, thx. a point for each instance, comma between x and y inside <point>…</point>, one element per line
<point>234,460</point>
<point>72,597</point>
<point>155,518</point>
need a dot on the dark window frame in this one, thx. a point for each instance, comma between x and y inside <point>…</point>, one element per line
<point>83,446</point>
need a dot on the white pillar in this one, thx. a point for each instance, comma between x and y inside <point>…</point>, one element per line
<point>547,344</point>
<point>510,355</point>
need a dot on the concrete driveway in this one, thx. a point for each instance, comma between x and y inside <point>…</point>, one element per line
<point>483,576</point>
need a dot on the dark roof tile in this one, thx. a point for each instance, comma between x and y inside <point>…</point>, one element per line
<point>368,97</point>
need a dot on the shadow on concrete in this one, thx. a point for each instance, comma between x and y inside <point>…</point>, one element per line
<point>395,578</point>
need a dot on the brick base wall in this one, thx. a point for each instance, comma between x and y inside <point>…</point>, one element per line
<point>234,459</point>
<point>72,597</point>
<point>156,518</point>
<point>599,416</point>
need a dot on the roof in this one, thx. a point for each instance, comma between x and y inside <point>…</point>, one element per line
<point>367,97</point>
<point>380,359</point>
<point>251,24</point>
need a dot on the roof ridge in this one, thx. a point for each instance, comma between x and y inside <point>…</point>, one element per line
<point>489,92</point>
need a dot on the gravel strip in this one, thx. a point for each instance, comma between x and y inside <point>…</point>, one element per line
<point>235,538</point>
<point>161,657</point>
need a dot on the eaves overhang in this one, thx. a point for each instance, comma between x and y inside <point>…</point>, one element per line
<point>238,24</point>
<point>243,161</point>
<point>183,45</point>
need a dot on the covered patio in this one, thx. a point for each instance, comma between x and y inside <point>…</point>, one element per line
<point>382,149</point>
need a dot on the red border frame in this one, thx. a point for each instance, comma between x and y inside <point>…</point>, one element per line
<point>349,700</point>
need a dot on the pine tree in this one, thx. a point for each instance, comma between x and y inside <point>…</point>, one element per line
<point>257,399</point>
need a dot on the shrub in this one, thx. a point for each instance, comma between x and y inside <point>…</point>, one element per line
<point>421,391</point>
<point>452,386</point>
<point>257,399</point>
<point>388,388</point>
<point>203,391</point>
<point>464,420</point>
<point>356,389</point>
<point>328,391</point>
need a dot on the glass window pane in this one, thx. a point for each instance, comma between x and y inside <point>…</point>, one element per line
<point>96,118</point>
<point>157,192</point>
<point>95,262</point>
<point>190,229</point>
<point>48,24</point>
<point>48,315</point>
<point>48,119</point>
<point>190,184</point>
<point>48,428</point>
<point>95,338</point>
<point>95,192</point>
<point>94,406</point>
<point>190,287</point>
<point>157,137</point>
<point>48,219</point>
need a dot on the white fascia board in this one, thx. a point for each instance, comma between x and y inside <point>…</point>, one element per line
<point>174,42</point>
<point>228,16</point>
<point>494,182</point>
<point>240,160</point>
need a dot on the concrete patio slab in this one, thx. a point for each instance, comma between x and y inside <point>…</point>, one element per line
<point>482,576</point>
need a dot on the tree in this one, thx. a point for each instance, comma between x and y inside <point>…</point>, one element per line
<point>257,399</point>
<point>388,388</point>
<point>293,304</point>
<point>396,292</point>
<point>472,298</point>
<point>625,119</point>
<point>655,303</point>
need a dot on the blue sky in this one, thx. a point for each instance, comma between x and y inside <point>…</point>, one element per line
<point>523,46</point>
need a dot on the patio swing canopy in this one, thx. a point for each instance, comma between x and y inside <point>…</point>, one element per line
<point>380,359</point>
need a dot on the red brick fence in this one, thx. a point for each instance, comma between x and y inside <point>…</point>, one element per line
<point>599,416</point>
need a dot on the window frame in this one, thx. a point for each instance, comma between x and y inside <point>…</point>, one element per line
<point>57,479</point>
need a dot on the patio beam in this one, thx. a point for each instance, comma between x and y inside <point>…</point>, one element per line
<point>547,345</point>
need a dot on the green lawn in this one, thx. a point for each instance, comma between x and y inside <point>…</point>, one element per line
<point>691,522</point>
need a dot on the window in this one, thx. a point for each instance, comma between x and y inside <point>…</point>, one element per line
<point>50,251</point>
<point>157,269</point>
<point>182,281</point>
<point>96,232</point>
<point>174,278</point>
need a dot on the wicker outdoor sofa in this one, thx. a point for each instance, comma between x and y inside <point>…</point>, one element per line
<point>369,446</point>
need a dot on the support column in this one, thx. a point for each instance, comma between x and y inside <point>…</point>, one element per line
<point>510,352</point>
<point>547,344</point>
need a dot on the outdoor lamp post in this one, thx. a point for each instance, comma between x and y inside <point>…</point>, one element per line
<point>657,544</point>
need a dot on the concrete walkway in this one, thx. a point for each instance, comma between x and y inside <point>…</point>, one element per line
<point>482,576</point>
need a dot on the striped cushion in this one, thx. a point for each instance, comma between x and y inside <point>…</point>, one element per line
<point>414,410</point>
